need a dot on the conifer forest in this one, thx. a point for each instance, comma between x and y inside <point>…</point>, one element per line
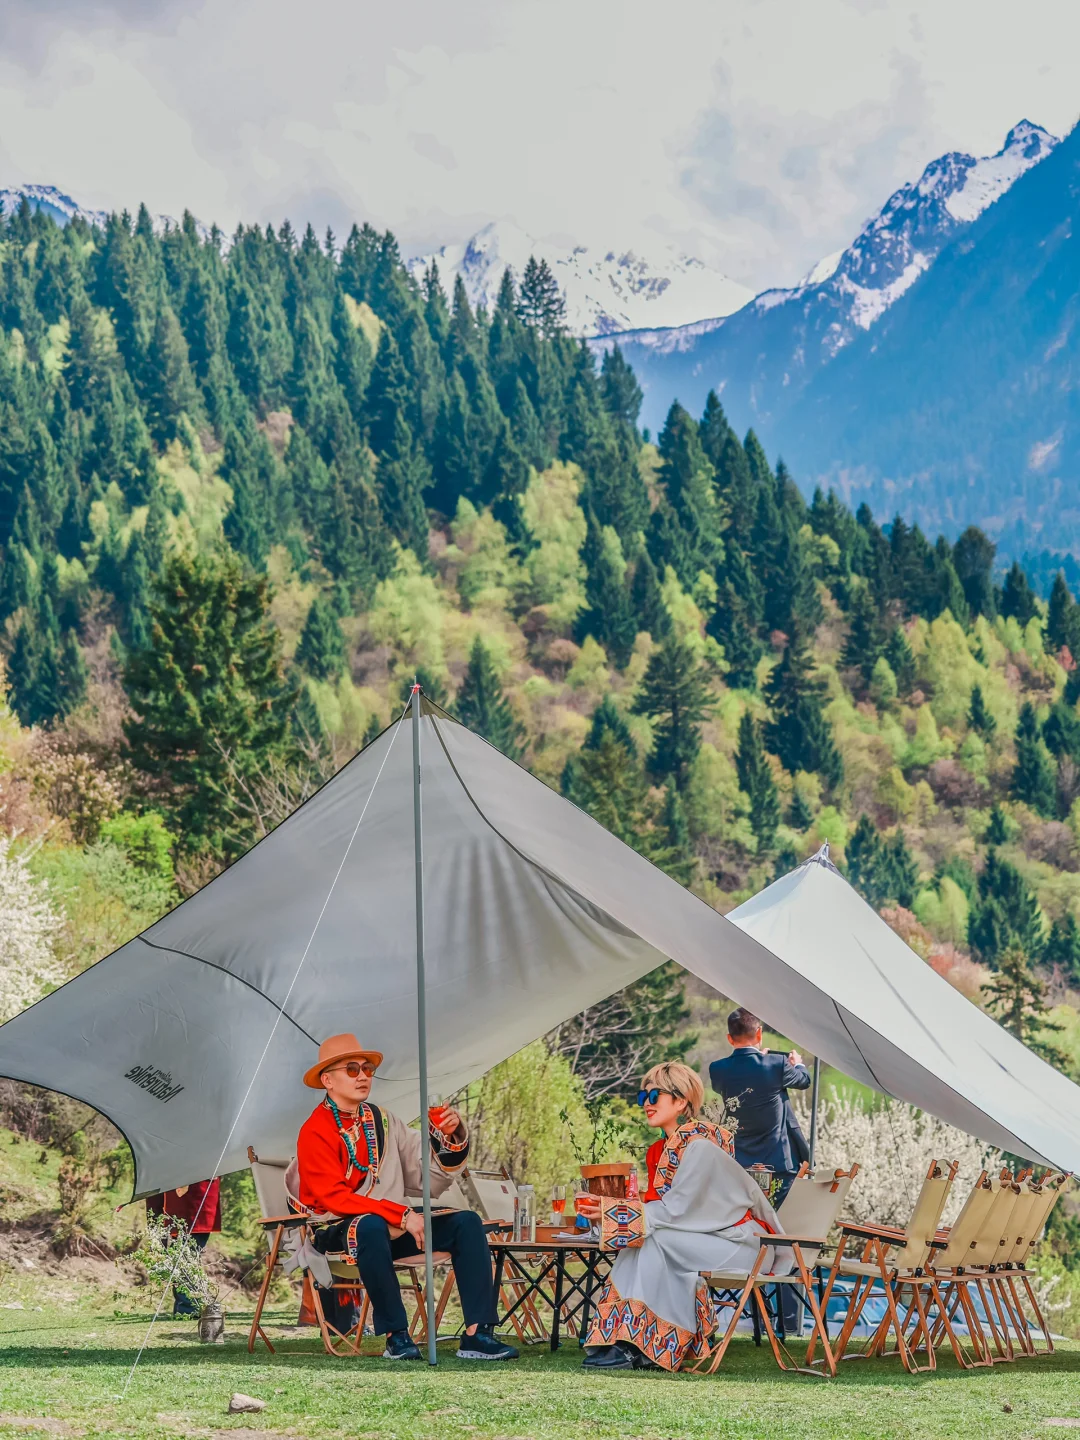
<point>251,487</point>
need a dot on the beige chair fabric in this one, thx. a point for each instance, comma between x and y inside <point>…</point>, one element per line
<point>895,1258</point>
<point>808,1213</point>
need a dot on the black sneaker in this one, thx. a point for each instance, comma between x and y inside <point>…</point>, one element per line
<point>484,1346</point>
<point>609,1357</point>
<point>401,1346</point>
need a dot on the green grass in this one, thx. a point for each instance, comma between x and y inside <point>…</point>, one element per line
<point>70,1368</point>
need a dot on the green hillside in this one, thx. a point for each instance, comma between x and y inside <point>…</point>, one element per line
<point>249,491</point>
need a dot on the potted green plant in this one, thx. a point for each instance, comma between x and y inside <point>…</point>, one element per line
<point>170,1256</point>
<point>606,1133</point>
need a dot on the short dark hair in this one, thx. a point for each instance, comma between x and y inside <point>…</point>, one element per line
<point>742,1025</point>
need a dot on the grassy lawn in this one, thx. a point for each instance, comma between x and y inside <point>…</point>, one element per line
<point>62,1372</point>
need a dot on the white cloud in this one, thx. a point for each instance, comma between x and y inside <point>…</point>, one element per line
<point>759,134</point>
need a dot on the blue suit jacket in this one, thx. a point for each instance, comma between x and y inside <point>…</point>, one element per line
<point>759,1081</point>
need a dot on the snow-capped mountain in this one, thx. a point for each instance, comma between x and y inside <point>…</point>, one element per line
<point>53,202</point>
<point>606,291</point>
<point>760,358</point>
<point>62,208</point>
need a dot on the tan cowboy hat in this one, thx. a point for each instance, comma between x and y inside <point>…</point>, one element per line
<point>334,1052</point>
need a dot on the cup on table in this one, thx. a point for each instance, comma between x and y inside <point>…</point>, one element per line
<point>558,1199</point>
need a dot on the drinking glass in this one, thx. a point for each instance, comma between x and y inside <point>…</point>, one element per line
<point>558,1198</point>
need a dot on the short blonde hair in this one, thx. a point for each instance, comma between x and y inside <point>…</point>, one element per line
<point>677,1079</point>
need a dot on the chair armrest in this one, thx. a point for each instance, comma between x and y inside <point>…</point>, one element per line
<point>875,1232</point>
<point>288,1221</point>
<point>775,1240</point>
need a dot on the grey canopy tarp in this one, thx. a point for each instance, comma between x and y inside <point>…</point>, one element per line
<point>533,912</point>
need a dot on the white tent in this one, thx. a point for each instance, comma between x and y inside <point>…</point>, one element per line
<point>899,1027</point>
<point>533,912</point>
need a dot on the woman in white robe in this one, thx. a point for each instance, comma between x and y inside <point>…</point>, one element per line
<point>702,1212</point>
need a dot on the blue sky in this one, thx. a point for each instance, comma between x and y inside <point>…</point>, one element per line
<point>756,135</point>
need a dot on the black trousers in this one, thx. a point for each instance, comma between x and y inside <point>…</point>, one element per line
<point>459,1232</point>
<point>790,1302</point>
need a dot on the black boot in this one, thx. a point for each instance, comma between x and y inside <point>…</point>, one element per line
<point>609,1357</point>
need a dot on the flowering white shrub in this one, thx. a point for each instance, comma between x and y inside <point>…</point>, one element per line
<point>28,927</point>
<point>893,1144</point>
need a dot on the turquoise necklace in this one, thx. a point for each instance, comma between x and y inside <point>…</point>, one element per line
<point>367,1123</point>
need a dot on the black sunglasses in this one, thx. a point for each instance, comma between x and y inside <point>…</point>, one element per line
<point>650,1097</point>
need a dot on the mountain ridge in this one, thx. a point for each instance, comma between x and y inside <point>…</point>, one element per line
<point>759,358</point>
<point>606,292</point>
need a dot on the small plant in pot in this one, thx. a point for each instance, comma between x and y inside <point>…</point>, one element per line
<point>605,1133</point>
<point>170,1256</point>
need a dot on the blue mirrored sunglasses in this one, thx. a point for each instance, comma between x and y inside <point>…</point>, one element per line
<point>650,1097</point>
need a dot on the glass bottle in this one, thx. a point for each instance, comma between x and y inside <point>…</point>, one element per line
<point>527,1213</point>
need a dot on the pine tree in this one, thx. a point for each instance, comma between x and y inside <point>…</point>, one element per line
<point>22,673</point>
<point>621,391</point>
<point>675,696</point>
<point>864,641</point>
<point>1017,597</point>
<point>898,653</point>
<point>864,853</point>
<point>482,706</point>
<point>1034,780</point>
<point>786,860</point>
<point>998,831</point>
<point>682,865</point>
<point>540,304</point>
<point>1063,946</point>
<point>800,815</point>
<point>900,877</point>
<point>1061,731</point>
<point>688,478</point>
<point>756,782</point>
<point>732,626</point>
<point>74,673</point>
<point>606,778</point>
<point>607,720</point>
<point>647,601</point>
<point>321,651</point>
<point>1007,913</point>
<point>1061,618</point>
<point>609,616</point>
<point>979,717</point>
<point>1018,998</point>
<point>211,705</point>
<point>798,732</point>
<point>403,471</point>
<point>973,556</point>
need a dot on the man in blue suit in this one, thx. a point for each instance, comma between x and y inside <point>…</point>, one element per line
<point>767,1132</point>
<point>758,1081</point>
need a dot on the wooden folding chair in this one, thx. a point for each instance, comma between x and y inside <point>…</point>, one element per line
<point>277,1221</point>
<point>346,1278</point>
<point>809,1211</point>
<point>893,1257</point>
<point>948,1272</point>
<point>1028,1224</point>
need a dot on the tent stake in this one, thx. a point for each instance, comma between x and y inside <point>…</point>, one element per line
<point>814,1092</point>
<point>421,1023</point>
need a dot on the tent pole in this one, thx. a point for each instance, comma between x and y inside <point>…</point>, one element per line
<point>814,1093</point>
<point>421,1023</point>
